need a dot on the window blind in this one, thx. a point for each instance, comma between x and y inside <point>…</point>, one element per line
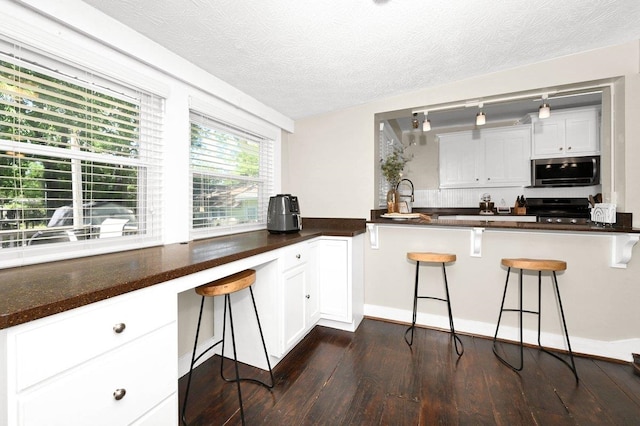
<point>77,153</point>
<point>232,175</point>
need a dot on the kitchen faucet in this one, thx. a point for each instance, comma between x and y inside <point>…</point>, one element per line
<point>412,190</point>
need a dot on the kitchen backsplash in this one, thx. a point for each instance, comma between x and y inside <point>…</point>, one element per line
<point>470,197</point>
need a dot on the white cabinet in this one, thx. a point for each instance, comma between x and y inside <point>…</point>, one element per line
<point>111,362</point>
<point>341,277</point>
<point>461,160</point>
<point>572,132</point>
<point>486,157</point>
<point>299,294</point>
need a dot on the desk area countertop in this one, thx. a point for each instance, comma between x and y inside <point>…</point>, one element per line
<point>31,292</point>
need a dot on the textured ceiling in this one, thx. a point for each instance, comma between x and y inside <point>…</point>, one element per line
<point>308,57</point>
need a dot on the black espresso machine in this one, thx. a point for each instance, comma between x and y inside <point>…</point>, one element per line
<point>283,215</point>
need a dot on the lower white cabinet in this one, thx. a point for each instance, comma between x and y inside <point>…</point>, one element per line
<point>321,282</point>
<point>299,294</point>
<point>114,362</point>
<point>115,389</point>
<point>108,363</point>
<point>341,277</point>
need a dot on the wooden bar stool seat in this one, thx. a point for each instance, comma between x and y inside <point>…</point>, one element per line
<point>228,285</point>
<point>431,257</point>
<point>537,265</point>
<point>225,287</point>
<point>441,258</point>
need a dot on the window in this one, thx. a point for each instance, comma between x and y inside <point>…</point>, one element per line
<point>231,175</point>
<point>79,155</point>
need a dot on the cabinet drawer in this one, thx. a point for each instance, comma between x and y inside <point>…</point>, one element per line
<point>295,255</point>
<point>145,369</point>
<point>165,413</point>
<point>52,345</point>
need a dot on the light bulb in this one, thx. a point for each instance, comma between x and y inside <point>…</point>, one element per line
<point>544,111</point>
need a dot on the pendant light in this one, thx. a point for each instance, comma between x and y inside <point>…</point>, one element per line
<point>481,119</point>
<point>426,124</point>
<point>545,110</point>
<point>414,121</point>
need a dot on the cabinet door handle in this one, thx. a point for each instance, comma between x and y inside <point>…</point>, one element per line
<point>308,296</point>
<point>568,148</point>
<point>118,394</point>
<point>119,327</point>
<point>298,256</point>
<point>560,148</point>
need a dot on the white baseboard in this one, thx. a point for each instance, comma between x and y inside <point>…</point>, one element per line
<point>619,349</point>
<point>185,360</point>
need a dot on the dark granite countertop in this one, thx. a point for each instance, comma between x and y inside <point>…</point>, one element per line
<point>623,224</point>
<point>31,292</point>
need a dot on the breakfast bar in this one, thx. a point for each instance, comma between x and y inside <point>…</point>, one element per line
<point>623,236</point>
<point>596,286</point>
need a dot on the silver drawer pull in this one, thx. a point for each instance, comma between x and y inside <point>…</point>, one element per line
<point>119,327</point>
<point>119,394</point>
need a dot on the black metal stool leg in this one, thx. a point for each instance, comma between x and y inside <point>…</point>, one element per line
<point>572,367</point>
<point>227,300</point>
<point>193,360</point>
<point>264,345</point>
<point>456,339</point>
<point>415,308</point>
<point>519,310</point>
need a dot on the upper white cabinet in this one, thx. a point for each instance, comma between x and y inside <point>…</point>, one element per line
<point>568,133</point>
<point>486,157</point>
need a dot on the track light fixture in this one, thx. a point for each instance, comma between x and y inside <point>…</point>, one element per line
<point>545,110</point>
<point>426,124</point>
<point>414,121</point>
<point>481,119</point>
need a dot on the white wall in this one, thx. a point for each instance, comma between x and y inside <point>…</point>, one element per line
<point>78,33</point>
<point>332,168</point>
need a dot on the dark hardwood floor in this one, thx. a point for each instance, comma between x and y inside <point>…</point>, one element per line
<point>372,377</point>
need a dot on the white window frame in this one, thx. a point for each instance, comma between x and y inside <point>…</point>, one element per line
<point>245,126</point>
<point>149,196</point>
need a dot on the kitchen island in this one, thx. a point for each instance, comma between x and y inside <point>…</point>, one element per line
<point>599,288</point>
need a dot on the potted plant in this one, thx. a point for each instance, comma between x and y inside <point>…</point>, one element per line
<point>392,168</point>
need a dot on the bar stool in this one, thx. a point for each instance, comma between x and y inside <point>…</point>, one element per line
<point>538,265</point>
<point>443,258</point>
<point>226,286</point>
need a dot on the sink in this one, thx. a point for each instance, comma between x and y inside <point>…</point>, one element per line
<point>489,218</point>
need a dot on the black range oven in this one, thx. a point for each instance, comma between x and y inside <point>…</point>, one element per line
<point>560,210</point>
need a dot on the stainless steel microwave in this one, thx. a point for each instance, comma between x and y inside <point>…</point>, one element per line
<point>565,171</point>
